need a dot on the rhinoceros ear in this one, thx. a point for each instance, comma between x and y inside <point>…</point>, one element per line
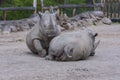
<point>40,13</point>
<point>96,34</point>
<point>57,12</point>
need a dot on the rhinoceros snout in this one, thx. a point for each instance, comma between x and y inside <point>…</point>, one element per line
<point>51,34</point>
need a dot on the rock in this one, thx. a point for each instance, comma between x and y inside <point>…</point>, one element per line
<point>18,25</point>
<point>62,29</point>
<point>106,20</point>
<point>98,13</point>
<point>6,30</point>
<point>99,23</point>
<point>84,15</point>
<point>89,22</point>
<point>31,24</point>
<point>68,26</point>
<point>24,26</point>
<point>83,23</point>
<point>13,28</point>
<point>75,24</point>
<point>1,28</point>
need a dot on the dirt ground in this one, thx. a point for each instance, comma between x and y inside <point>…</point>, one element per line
<point>17,63</point>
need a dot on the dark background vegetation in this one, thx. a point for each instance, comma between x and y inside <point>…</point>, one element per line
<point>12,15</point>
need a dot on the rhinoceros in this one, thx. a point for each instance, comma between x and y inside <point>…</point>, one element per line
<point>45,29</point>
<point>72,46</point>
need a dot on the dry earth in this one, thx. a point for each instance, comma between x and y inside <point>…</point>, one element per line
<point>17,63</point>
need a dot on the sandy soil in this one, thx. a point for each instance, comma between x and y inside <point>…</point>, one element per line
<point>17,63</point>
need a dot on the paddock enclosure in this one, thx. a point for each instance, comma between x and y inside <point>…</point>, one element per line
<point>111,8</point>
<point>18,63</point>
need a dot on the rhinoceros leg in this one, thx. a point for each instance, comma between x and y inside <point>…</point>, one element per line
<point>61,57</point>
<point>49,57</point>
<point>37,44</point>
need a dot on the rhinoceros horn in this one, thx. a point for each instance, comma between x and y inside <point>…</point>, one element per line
<point>40,13</point>
<point>96,44</point>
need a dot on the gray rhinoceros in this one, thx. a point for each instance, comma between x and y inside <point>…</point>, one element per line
<point>45,29</point>
<point>72,46</point>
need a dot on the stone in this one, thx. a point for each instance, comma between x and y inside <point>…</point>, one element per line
<point>13,28</point>
<point>106,20</point>
<point>6,30</point>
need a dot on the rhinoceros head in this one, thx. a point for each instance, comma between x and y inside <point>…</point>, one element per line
<point>48,24</point>
<point>92,36</point>
<point>95,43</point>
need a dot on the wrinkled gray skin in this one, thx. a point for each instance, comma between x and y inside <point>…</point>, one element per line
<point>73,46</point>
<point>45,29</point>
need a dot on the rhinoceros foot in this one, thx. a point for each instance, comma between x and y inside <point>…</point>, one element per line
<point>49,57</point>
<point>42,53</point>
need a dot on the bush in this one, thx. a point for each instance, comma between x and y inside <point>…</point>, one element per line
<point>14,15</point>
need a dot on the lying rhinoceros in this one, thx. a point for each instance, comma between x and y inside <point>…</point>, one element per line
<point>73,46</point>
<point>45,29</point>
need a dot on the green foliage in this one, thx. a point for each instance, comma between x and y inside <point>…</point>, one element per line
<point>12,15</point>
<point>69,11</point>
<point>76,1</point>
